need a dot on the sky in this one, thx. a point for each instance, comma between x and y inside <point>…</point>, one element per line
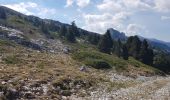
<point>147,18</point>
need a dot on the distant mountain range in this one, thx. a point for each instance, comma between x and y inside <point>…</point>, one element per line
<point>163,42</point>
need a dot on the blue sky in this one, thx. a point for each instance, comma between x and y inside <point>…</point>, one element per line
<point>148,18</point>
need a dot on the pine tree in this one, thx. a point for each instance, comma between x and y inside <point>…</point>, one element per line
<point>70,36</point>
<point>134,45</point>
<point>44,28</point>
<point>63,31</point>
<point>146,54</point>
<point>75,29</point>
<point>118,48</point>
<point>106,43</point>
<point>150,57</point>
<point>125,54</point>
<point>143,52</point>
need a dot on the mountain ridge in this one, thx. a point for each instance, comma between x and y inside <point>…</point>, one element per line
<point>114,33</point>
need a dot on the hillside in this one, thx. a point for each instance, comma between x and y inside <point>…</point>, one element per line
<point>37,63</point>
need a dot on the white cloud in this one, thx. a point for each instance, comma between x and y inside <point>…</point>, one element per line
<point>69,3</point>
<point>135,29</point>
<point>124,5</point>
<point>165,17</point>
<point>99,23</point>
<point>137,4</point>
<point>110,5</point>
<point>31,8</point>
<point>134,5</point>
<point>83,3</point>
<point>111,14</point>
<point>79,3</point>
<point>162,5</point>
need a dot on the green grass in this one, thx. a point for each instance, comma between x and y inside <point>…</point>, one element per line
<point>6,43</point>
<point>11,59</point>
<point>139,64</point>
<point>92,57</point>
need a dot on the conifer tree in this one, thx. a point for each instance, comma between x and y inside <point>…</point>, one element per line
<point>134,45</point>
<point>125,54</point>
<point>63,31</point>
<point>75,29</point>
<point>106,43</point>
<point>70,36</point>
<point>118,48</point>
<point>143,52</point>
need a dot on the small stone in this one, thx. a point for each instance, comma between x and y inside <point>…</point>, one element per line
<point>3,82</point>
<point>66,93</point>
<point>29,95</point>
<point>83,69</point>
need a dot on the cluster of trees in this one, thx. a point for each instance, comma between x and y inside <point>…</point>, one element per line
<point>69,33</point>
<point>107,45</point>
<point>133,47</point>
<point>140,50</point>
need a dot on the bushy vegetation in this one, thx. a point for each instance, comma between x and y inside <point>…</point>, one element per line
<point>97,63</point>
<point>94,58</point>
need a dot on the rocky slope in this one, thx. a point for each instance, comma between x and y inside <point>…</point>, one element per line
<point>34,66</point>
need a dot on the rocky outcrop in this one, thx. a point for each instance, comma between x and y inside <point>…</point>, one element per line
<point>16,36</point>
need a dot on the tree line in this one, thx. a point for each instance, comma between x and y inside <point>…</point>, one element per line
<point>133,47</point>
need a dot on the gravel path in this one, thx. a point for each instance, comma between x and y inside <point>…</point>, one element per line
<point>158,89</point>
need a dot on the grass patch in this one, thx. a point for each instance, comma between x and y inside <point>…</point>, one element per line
<point>94,58</point>
<point>6,43</point>
<point>41,65</point>
<point>143,67</point>
<point>11,60</point>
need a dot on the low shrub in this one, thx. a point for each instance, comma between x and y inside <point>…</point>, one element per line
<point>97,63</point>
